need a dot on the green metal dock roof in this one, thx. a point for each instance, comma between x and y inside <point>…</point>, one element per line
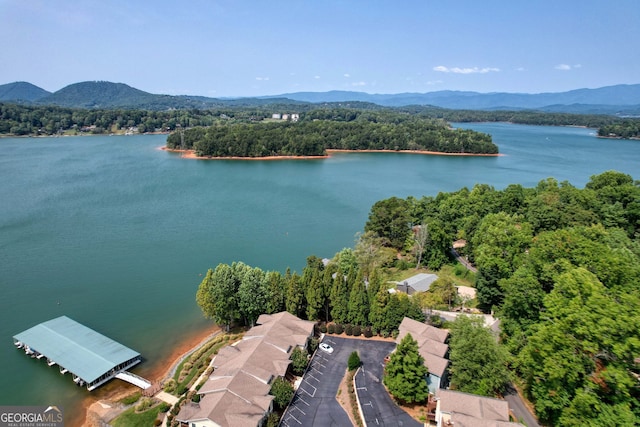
<point>83,351</point>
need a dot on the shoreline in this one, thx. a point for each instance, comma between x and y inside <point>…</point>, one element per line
<point>158,373</point>
<point>190,154</point>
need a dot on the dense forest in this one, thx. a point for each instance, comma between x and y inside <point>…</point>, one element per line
<point>559,265</point>
<point>314,137</point>
<point>52,120</point>
<point>624,129</point>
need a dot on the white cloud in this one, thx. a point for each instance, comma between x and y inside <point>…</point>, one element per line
<point>434,82</point>
<point>520,69</point>
<point>347,75</point>
<point>260,79</point>
<point>358,84</point>
<point>563,67</point>
<point>469,70</point>
<point>316,77</point>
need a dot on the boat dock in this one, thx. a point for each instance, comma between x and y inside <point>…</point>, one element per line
<point>90,357</point>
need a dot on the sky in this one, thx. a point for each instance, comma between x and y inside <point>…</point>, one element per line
<point>224,48</point>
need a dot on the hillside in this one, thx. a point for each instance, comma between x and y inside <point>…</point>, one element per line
<point>605,100</point>
<point>21,91</point>
<point>621,100</point>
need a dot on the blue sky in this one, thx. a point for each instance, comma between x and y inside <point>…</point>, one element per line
<point>249,48</point>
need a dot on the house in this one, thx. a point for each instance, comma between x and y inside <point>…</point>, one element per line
<point>418,283</point>
<point>236,393</point>
<point>459,409</point>
<point>432,347</point>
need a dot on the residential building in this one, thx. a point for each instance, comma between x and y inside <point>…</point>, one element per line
<point>432,347</point>
<point>457,409</point>
<point>418,283</point>
<point>237,392</point>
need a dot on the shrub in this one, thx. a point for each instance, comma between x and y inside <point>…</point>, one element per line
<point>331,328</point>
<point>196,398</point>
<point>354,361</point>
<point>282,392</point>
<point>144,404</point>
<point>164,407</point>
<point>131,399</point>
<point>323,328</point>
<point>357,330</point>
<point>339,329</point>
<point>157,422</point>
<point>313,344</point>
<point>273,420</point>
<point>298,361</point>
<point>394,334</point>
<point>170,386</point>
<point>367,333</point>
<point>348,329</point>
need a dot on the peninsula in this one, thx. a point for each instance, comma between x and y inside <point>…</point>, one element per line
<point>315,134</point>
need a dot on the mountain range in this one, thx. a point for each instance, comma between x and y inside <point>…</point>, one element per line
<point>618,99</point>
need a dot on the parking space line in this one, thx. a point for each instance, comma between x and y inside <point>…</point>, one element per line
<point>314,390</point>
<point>312,377</point>
<point>301,400</point>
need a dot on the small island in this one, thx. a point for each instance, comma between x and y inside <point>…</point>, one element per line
<point>315,135</point>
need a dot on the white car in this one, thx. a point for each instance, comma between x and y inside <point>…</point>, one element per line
<point>326,348</point>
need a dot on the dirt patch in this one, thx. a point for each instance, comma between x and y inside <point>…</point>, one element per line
<point>343,399</point>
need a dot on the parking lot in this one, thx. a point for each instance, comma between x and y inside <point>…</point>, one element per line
<point>315,404</point>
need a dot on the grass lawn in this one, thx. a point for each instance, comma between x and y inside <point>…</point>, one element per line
<point>130,418</point>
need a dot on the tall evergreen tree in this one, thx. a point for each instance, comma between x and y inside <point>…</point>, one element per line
<point>359,303</point>
<point>405,374</point>
<point>340,299</point>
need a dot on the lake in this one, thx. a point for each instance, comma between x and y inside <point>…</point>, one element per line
<point>117,234</point>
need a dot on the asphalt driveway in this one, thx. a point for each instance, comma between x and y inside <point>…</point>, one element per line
<point>315,404</point>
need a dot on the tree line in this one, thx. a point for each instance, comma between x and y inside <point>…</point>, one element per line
<point>16,119</point>
<point>313,138</point>
<point>560,266</point>
<point>334,291</point>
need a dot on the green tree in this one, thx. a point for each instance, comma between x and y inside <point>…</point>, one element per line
<point>252,295</point>
<point>282,392</point>
<point>358,303</point>
<point>405,374</point>
<point>478,363</point>
<point>299,361</point>
<point>295,300</point>
<point>390,220</point>
<point>340,299</point>
<point>217,295</point>
<point>354,361</point>
<point>378,312</point>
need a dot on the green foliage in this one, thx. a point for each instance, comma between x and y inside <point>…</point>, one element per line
<point>273,420</point>
<point>299,361</point>
<point>389,219</point>
<point>478,363</point>
<point>405,373</point>
<point>131,418</point>
<point>354,361</point>
<point>131,399</point>
<point>282,392</point>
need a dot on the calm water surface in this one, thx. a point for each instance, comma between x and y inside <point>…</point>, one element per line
<point>116,234</point>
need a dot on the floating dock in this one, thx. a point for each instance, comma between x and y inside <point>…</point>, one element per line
<point>91,358</point>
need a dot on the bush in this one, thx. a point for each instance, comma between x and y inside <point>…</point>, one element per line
<point>157,422</point>
<point>357,330</point>
<point>331,328</point>
<point>164,407</point>
<point>196,398</point>
<point>170,386</point>
<point>273,420</point>
<point>354,361</point>
<point>323,328</point>
<point>282,392</point>
<point>367,333</point>
<point>144,404</point>
<point>384,334</point>
<point>348,329</point>
<point>131,399</point>
<point>339,329</point>
<point>394,334</point>
<point>313,344</point>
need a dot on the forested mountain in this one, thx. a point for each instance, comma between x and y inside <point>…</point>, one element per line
<point>21,91</point>
<point>606,99</point>
<point>617,100</point>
